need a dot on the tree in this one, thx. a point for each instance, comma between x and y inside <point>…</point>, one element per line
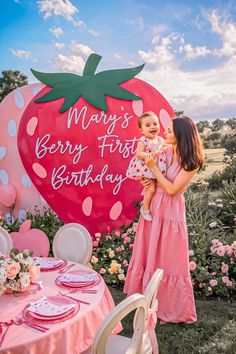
<point>217,125</point>
<point>10,80</point>
<point>202,125</point>
<point>231,123</point>
<point>178,113</point>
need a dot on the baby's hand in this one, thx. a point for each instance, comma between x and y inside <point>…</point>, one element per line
<point>155,155</point>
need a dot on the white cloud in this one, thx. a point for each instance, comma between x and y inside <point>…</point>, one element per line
<point>57,31</point>
<point>192,53</point>
<point>78,23</point>
<point>227,31</point>
<point>93,32</point>
<point>62,8</point>
<point>69,63</point>
<point>26,54</point>
<point>75,60</point>
<point>80,49</point>
<point>59,45</point>
<point>201,93</point>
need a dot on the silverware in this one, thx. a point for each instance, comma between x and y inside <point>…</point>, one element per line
<point>74,298</point>
<point>61,271</point>
<point>20,320</point>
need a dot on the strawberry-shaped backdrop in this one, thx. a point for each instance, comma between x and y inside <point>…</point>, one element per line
<point>76,138</point>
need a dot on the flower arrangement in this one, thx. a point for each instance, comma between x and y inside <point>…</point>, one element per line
<point>17,271</point>
<point>219,276</point>
<point>112,253</point>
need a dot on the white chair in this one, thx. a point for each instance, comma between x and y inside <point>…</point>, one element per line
<point>150,294</point>
<point>5,241</point>
<point>74,243</point>
<point>107,343</point>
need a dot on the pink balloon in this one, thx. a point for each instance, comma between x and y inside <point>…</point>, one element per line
<point>33,239</point>
<point>7,195</point>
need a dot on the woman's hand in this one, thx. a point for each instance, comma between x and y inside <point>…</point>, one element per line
<point>147,182</point>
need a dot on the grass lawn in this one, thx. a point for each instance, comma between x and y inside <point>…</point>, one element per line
<point>214,162</point>
<point>214,333</point>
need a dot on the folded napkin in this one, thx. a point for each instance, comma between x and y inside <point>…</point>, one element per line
<point>78,278</point>
<point>47,263</point>
<point>44,307</point>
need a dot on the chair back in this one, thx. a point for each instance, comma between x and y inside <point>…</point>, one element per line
<point>151,290</point>
<point>134,302</point>
<point>74,243</point>
<point>5,241</point>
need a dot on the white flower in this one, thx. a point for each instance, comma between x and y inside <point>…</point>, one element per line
<point>220,205</point>
<point>212,224</point>
<point>25,281</point>
<point>211,203</point>
<point>218,200</point>
<point>3,275</point>
<point>30,261</point>
<point>19,257</point>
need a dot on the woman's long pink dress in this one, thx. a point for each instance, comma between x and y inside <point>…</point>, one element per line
<point>163,243</point>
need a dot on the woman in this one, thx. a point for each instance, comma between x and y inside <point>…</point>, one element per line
<point>163,243</point>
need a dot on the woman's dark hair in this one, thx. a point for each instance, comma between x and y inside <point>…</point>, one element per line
<point>189,145</point>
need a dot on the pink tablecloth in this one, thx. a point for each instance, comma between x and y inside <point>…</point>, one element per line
<point>72,336</point>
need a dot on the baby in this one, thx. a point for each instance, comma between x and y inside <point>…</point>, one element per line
<point>149,143</point>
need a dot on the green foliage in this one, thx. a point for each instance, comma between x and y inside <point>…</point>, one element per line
<point>112,253</point>
<point>10,80</point>
<point>217,125</point>
<point>47,221</point>
<point>202,125</point>
<point>229,172</point>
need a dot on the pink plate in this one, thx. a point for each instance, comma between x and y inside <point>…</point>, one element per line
<point>58,300</point>
<point>76,285</point>
<point>54,268</point>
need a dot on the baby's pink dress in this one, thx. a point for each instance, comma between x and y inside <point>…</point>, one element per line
<point>137,167</point>
<point>163,243</point>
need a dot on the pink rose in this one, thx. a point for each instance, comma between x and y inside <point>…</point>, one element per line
<point>98,235</point>
<point>192,265</point>
<point>225,279</point>
<point>117,233</point>
<point>34,272</point>
<point>229,251</point>
<point>224,268</point>
<point>102,271</point>
<point>213,282</point>
<point>124,235</point>
<point>95,243</point>
<point>12,270</point>
<point>131,246</point>
<point>127,240</point>
<point>119,249</point>
<point>229,283</point>
<point>221,251</point>
<point>108,238</point>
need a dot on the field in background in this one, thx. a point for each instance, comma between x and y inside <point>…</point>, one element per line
<point>214,162</point>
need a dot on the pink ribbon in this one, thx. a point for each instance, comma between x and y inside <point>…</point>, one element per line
<point>151,322</point>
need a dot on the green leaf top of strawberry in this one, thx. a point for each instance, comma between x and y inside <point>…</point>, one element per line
<point>92,87</point>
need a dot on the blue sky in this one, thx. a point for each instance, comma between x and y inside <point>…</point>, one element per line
<point>188,47</point>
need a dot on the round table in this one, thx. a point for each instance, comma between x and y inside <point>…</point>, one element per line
<point>72,336</point>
